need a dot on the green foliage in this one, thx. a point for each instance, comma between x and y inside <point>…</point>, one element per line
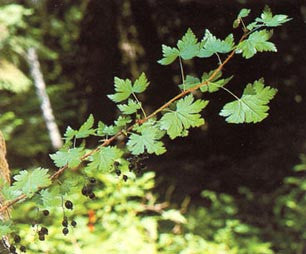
<point>103,160</point>
<point>28,182</point>
<point>252,106</point>
<point>146,140</point>
<point>177,122</point>
<point>269,20</point>
<point>124,88</point>
<point>257,42</point>
<point>123,222</point>
<point>211,45</point>
<point>71,157</point>
<point>130,108</point>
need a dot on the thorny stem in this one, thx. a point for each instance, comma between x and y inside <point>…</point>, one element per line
<point>141,121</point>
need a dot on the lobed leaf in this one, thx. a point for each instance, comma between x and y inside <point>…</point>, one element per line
<point>86,128</point>
<point>146,140</point>
<point>130,108</point>
<point>103,160</point>
<point>188,46</point>
<point>257,41</point>
<point>252,106</point>
<point>140,84</point>
<point>123,89</point>
<point>269,20</point>
<point>30,181</point>
<point>70,157</point>
<point>186,115</point>
<point>211,45</point>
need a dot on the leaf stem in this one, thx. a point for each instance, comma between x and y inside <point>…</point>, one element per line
<point>182,73</point>
<point>140,104</point>
<point>230,92</point>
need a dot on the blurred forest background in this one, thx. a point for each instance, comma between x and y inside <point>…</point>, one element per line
<point>231,188</point>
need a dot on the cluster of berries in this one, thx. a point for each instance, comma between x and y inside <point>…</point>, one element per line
<point>17,240</point>
<point>137,163</point>
<point>65,225</point>
<point>69,206</point>
<point>118,171</point>
<point>87,190</point>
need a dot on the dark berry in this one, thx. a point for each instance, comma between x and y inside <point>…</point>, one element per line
<point>41,237</point>
<point>69,205</point>
<point>116,163</point>
<point>73,223</point>
<point>85,191</point>
<point>65,231</point>
<point>125,177</point>
<point>46,212</point>
<point>131,166</point>
<point>92,195</point>
<point>12,248</point>
<point>44,230</point>
<point>17,239</point>
<point>23,248</point>
<point>118,172</point>
<point>65,223</point>
<point>92,180</point>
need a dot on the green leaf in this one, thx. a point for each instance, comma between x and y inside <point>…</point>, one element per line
<point>70,133</point>
<point>148,139</point>
<point>103,160</point>
<point>130,108</point>
<point>123,89</point>
<point>30,181</point>
<point>122,121</point>
<point>6,227</point>
<point>215,84</point>
<point>70,157</point>
<point>140,84</point>
<point>272,21</point>
<point>169,55</point>
<point>50,198</point>
<point>252,106</point>
<point>8,193</point>
<point>244,13</point>
<point>100,129</point>
<point>185,116</point>
<point>188,46</point>
<point>257,41</point>
<point>211,45</point>
<point>190,82</point>
<point>86,128</point>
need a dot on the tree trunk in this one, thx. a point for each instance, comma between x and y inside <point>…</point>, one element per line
<point>45,105</point>
<point>5,177</point>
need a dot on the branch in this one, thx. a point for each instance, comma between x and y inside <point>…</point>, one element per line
<point>141,121</point>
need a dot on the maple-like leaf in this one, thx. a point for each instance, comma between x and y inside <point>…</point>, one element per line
<point>28,182</point>
<point>130,108</point>
<point>103,160</point>
<point>187,48</point>
<point>252,106</point>
<point>211,45</point>
<point>70,157</point>
<point>185,116</point>
<point>146,140</point>
<point>257,41</point>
